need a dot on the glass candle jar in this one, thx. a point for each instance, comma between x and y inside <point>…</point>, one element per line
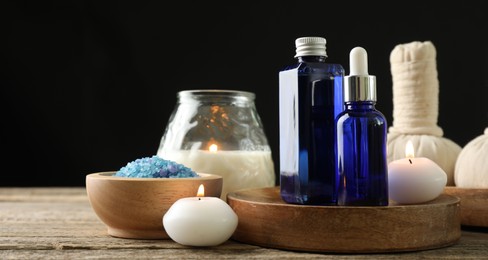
<point>220,132</point>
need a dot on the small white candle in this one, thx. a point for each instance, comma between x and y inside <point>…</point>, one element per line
<point>200,221</point>
<point>415,180</point>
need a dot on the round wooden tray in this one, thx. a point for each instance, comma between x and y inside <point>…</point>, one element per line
<point>474,205</point>
<point>266,220</point>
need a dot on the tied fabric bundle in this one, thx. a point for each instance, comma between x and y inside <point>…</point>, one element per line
<point>415,107</point>
<point>472,165</point>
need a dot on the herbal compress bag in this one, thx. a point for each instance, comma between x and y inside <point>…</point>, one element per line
<point>415,107</point>
<point>472,164</point>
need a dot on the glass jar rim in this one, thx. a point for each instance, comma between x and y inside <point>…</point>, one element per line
<point>217,93</point>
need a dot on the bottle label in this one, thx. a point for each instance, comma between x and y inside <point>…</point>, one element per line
<point>288,100</point>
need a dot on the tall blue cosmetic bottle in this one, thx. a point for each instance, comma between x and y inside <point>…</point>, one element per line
<point>310,98</point>
<point>361,139</point>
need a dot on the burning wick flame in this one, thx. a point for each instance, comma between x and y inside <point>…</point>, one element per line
<point>213,148</point>
<point>409,151</point>
<point>201,191</point>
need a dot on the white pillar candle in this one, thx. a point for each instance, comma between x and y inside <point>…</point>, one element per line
<point>200,221</point>
<point>239,169</point>
<point>415,180</point>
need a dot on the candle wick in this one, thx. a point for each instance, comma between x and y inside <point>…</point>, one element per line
<point>201,198</point>
<point>410,161</point>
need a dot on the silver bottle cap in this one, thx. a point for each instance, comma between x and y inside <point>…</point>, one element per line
<point>310,46</point>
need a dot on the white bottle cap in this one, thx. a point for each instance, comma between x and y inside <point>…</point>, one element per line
<point>310,46</point>
<point>358,59</point>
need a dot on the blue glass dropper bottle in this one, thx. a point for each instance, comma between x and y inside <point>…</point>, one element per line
<point>361,139</point>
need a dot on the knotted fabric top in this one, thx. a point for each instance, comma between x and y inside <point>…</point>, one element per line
<point>415,89</point>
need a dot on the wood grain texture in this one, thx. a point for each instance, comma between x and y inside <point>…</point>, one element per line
<point>134,207</point>
<point>265,220</point>
<point>59,223</point>
<point>474,205</point>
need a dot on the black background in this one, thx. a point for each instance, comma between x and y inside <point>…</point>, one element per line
<point>87,86</point>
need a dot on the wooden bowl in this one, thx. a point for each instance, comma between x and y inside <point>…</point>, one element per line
<point>264,219</point>
<point>134,207</point>
<point>474,205</point>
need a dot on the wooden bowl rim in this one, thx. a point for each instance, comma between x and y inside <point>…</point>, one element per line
<point>108,175</point>
<point>243,196</point>
<point>463,189</point>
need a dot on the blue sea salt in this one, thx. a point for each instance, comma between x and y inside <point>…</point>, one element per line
<point>155,167</point>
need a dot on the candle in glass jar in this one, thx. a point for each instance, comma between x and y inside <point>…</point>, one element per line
<point>415,180</point>
<point>239,169</point>
<point>200,221</point>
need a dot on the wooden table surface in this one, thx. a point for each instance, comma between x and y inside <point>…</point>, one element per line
<point>59,223</point>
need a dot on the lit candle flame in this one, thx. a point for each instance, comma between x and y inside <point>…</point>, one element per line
<point>213,148</point>
<point>409,152</point>
<point>201,191</point>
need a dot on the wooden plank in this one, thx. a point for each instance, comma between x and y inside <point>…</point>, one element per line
<point>43,194</point>
<point>57,223</point>
<point>200,253</point>
<point>472,246</point>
